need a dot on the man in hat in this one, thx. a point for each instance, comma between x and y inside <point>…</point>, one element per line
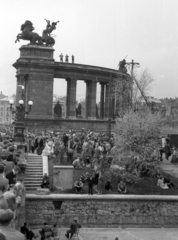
<point>3,180</point>
<point>73,228</point>
<point>6,216</point>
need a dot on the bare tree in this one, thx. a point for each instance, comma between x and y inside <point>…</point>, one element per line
<point>142,85</point>
<point>128,91</point>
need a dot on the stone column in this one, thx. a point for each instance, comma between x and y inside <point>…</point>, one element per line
<point>102,100</point>
<point>71,98</point>
<point>106,115</point>
<point>91,99</point>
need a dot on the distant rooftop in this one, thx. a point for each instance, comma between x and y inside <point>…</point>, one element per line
<point>2,95</point>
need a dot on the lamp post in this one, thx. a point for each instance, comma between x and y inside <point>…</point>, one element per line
<point>20,113</point>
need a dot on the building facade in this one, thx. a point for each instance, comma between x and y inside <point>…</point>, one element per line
<point>6,117</point>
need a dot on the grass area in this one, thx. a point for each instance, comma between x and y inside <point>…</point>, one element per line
<point>146,186</point>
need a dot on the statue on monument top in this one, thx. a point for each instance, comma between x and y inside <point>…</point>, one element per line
<point>58,110</point>
<point>50,27</point>
<point>34,38</point>
<point>46,35</point>
<point>122,66</point>
<point>28,34</point>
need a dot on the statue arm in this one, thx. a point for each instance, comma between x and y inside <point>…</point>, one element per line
<point>48,21</point>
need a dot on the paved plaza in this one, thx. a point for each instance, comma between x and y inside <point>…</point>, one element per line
<point>123,234</point>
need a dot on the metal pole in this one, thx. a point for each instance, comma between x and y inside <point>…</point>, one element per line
<point>109,113</point>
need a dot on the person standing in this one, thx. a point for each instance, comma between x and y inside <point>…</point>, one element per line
<point>3,202</point>
<point>61,57</point>
<point>90,185</point>
<point>11,176</point>
<point>4,181</point>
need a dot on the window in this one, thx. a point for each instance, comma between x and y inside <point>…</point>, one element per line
<point>1,108</point>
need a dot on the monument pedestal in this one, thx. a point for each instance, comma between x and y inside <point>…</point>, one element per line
<point>63,177</point>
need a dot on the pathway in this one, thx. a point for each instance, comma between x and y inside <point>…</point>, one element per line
<point>124,234</point>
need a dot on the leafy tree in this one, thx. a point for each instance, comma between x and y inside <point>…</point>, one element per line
<point>137,136</point>
<point>138,133</point>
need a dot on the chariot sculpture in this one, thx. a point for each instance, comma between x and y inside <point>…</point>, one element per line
<point>34,38</point>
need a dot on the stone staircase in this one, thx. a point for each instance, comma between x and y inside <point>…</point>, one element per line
<point>34,172</point>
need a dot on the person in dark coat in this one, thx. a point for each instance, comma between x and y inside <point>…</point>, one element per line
<point>167,148</point>
<point>39,144</point>
<point>11,176</point>
<point>46,232</point>
<point>3,180</point>
<point>27,232</point>
<point>90,185</point>
<point>65,140</point>
<point>45,181</point>
<point>73,228</point>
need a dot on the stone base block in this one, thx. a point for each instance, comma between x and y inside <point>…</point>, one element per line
<point>42,191</point>
<point>71,117</point>
<point>91,118</point>
<point>63,177</point>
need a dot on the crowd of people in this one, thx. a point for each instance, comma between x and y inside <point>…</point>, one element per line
<point>86,150</point>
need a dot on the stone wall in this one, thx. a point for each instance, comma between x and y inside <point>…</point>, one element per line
<point>66,124</point>
<point>106,210</point>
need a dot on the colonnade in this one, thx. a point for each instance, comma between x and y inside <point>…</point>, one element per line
<point>90,99</point>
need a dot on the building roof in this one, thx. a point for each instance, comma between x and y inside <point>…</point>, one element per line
<point>6,99</point>
<point>2,95</point>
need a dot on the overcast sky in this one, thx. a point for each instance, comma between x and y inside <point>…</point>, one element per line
<point>98,32</point>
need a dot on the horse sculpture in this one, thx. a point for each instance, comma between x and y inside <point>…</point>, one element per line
<point>28,34</point>
<point>34,38</point>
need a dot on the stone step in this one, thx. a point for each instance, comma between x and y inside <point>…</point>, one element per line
<point>31,189</point>
<point>33,179</point>
<point>34,167</point>
<point>32,185</point>
<point>34,172</point>
<point>33,182</point>
<point>39,174</point>
<point>31,169</point>
<point>37,162</point>
<point>34,162</point>
<point>35,156</point>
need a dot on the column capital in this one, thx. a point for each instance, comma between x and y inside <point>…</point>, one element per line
<point>71,78</point>
<point>102,83</point>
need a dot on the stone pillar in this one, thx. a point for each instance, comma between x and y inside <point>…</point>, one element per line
<point>102,100</point>
<point>91,99</point>
<point>106,101</point>
<point>35,70</point>
<point>71,98</point>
